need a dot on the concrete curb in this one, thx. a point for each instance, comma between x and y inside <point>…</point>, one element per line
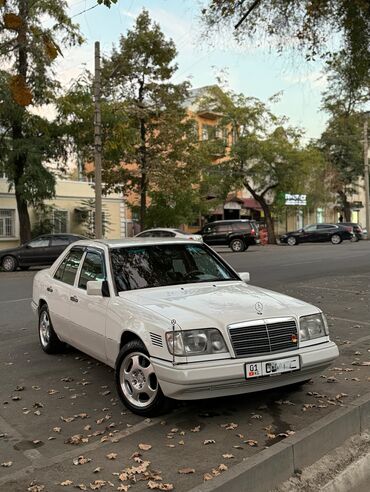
<point>275,465</point>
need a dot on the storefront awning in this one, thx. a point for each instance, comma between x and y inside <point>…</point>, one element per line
<point>251,203</point>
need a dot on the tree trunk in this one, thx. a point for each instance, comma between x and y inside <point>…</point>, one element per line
<point>346,206</point>
<point>266,210</point>
<point>20,160</point>
<point>143,191</point>
<point>269,222</point>
<point>143,159</point>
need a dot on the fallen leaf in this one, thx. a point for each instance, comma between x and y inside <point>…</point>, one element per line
<point>35,487</point>
<point>97,469</point>
<point>228,456</point>
<point>6,464</point>
<point>66,483</point>
<point>145,447</point>
<point>251,442</point>
<point>230,426</point>
<point>97,484</point>
<point>195,429</point>
<point>123,488</point>
<point>207,476</point>
<point>57,429</point>
<point>111,456</point>
<point>186,471</point>
<point>81,460</point>
<point>209,441</point>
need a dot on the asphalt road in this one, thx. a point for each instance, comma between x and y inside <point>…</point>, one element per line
<point>45,400</point>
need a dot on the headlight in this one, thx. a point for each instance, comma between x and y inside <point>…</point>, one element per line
<point>313,326</point>
<point>196,342</point>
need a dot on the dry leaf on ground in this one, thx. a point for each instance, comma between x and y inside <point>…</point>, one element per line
<point>145,447</point>
<point>186,471</point>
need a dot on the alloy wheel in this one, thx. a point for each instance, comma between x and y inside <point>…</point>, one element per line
<point>138,380</point>
<point>44,328</point>
<point>8,264</point>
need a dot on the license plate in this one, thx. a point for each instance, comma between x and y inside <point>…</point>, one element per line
<point>271,367</point>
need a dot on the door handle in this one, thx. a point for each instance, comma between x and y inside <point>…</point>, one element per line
<point>49,289</point>
<point>74,299</point>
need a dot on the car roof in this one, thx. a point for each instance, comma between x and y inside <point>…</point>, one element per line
<point>229,221</point>
<point>133,241</point>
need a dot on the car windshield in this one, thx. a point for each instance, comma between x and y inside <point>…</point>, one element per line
<point>141,267</point>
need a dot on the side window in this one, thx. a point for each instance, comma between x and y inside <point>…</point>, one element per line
<point>167,234</point>
<point>223,228</point>
<point>326,226</point>
<point>41,242</point>
<point>145,234</point>
<point>67,270</point>
<point>60,241</point>
<point>311,228</point>
<point>208,230</point>
<point>92,269</point>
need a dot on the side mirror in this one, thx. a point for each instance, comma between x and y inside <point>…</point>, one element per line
<point>245,276</point>
<point>94,288</point>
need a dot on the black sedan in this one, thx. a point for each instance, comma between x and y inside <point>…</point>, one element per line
<point>42,250</point>
<point>317,233</point>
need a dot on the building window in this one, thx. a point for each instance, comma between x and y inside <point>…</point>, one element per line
<point>7,223</point>
<point>60,219</point>
<point>91,222</point>
<point>319,215</point>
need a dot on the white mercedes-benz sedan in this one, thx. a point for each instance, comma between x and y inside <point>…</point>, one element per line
<point>176,321</point>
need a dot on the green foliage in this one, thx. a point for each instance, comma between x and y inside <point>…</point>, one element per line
<point>87,218</point>
<point>324,29</point>
<point>150,146</point>
<point>43,223</point>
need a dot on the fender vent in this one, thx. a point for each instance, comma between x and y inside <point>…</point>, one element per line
<point>156,339</point>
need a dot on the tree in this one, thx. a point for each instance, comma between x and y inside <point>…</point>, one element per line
<point>324,29</point>
<point>341,139</point>
<point>150,146</point>
<point>33,34</point>
<point>266,157</point>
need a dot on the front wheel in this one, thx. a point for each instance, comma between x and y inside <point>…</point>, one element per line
<point>237,245</point>
<point>9,263</point>
<point>292,241</point>
<point>336,239</point>
<point>137,383</point>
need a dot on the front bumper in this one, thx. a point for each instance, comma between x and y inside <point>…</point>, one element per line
<point>226,377</point>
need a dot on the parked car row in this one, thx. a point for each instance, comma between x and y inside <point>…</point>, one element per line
<point>237,234</point>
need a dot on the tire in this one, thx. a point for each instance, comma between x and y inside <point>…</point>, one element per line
<point>355,239</point>
<point>237,245</point>
<point>136,382</point>
<point>49,340</point>
<point>292,241</point>
<point>9,263</point>
<point>336,239</point>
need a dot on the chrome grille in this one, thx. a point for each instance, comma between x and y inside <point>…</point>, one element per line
<point>263,336</point>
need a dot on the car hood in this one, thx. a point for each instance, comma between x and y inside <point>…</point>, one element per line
<point>8,251</point>
<point>216,304</point>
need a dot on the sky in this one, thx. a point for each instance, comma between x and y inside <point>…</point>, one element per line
<point>254,71</point>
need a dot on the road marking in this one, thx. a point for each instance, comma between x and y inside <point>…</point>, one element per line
<point>350,320</point>
<point>331,288</point>
<point>16,300</point>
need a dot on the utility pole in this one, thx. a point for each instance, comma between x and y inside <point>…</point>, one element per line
<point>97,146</point>
<point>366,173</point>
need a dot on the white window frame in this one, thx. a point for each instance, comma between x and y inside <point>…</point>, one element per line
<point>13,217</point>
<point>56,211</point>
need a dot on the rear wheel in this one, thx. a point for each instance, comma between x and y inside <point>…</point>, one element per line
<point>336,239</point>
<point>237,245</point>
<point>9,263</point>
<point>137,383</point>
<point>292,241</point>
<point>49,340</point>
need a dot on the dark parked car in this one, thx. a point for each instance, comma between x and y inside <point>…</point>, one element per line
<point>358,231</point>
<point>317,233</point>
<point>42,250</point>
<point>238,234</point>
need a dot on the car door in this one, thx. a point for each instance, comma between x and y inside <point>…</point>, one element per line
<point>325,231</point>
<point>222,233</point>
<point>35,252</point>
<point>88,313</point>
<point>209,234</point>
<point>57,245</point>
<point>308,234</point>
<point>59,293</point>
